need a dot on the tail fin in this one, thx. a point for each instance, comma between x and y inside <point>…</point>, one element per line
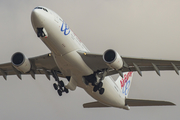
<point>125,83</point>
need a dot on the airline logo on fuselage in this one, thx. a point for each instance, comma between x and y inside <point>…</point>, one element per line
<point>65,28</point>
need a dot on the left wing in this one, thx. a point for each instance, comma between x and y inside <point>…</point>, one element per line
<point>96,63</point>
<point>39,65</point>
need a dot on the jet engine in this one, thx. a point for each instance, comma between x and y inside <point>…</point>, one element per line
<point>20,62</point>
<point>113,59</point>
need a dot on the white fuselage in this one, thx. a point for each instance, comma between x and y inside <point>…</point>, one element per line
<point>64,45</point>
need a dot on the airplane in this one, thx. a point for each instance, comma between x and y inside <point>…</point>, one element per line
<point>70,59</point>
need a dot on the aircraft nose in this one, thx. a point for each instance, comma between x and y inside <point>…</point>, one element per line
<point>37,18</point>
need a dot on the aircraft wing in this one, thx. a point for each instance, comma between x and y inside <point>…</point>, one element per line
<point>40,65</point>
<point>96,63</point>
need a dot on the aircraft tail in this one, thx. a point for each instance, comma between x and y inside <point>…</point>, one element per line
<point>125,83</point>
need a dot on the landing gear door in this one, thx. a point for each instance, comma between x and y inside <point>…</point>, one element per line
<point>45,32</point>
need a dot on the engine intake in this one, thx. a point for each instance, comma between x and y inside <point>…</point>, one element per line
<point>113,59</point>
<point>20,62</point>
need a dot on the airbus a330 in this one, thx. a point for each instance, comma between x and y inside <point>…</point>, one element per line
<point>70,59</point>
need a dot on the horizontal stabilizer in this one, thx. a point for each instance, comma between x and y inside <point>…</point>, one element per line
<point>94,105</point>
<point>138,102</point>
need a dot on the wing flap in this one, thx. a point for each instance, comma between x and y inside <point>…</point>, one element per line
<point>138,102</point>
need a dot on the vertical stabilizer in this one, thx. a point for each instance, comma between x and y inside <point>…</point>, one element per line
<point>125,83</point>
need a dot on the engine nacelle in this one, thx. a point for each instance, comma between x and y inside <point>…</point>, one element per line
<point>20,62</point>
<point>113,59</point>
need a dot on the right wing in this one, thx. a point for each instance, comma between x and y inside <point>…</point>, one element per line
<point>40,65</point>
<point>96,63</point>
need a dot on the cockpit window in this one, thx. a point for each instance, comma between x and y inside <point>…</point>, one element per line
<point>38,8</point>
<point>42,8</point>
<point>45,9</point>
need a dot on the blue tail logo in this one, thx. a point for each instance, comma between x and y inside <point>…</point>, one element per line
<point>125,89</point>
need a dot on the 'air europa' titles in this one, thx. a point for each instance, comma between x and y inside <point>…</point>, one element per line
<point>125,79</point>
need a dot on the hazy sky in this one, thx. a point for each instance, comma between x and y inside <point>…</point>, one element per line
<point>138,28</point>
